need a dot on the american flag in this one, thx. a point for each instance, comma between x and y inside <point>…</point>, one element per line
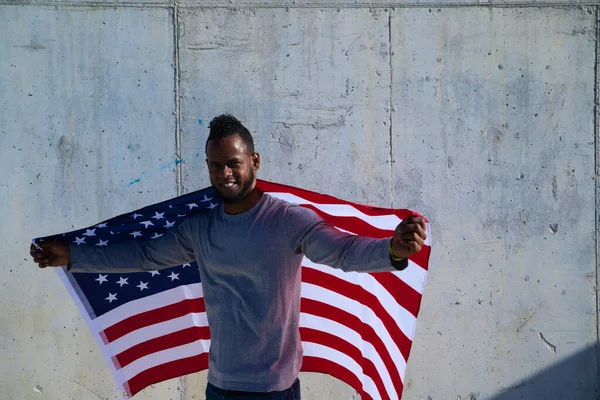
<point>152,326</point>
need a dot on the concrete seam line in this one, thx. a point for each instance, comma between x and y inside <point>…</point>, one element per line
<point>390,109</point>
<point>177,83</point>
<point>473,4</point>
<point>597,181</point>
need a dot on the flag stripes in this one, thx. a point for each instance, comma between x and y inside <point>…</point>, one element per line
<point>357,327</point>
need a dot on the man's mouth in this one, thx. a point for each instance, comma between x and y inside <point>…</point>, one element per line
<point>229,184</point>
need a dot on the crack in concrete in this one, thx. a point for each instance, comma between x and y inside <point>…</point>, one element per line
<point>90,390</point>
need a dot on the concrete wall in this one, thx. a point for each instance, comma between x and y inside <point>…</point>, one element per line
<point>479,114</point>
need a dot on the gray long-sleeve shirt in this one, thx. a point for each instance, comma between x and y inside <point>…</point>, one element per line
<point>250,270</point>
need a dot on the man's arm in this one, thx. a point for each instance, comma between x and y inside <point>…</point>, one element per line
<point>171,249</point>
<point>324,244</point>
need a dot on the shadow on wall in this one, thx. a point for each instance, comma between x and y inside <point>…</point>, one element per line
<point>575,378</point>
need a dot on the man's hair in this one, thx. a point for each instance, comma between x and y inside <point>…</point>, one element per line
<point>227,125</point>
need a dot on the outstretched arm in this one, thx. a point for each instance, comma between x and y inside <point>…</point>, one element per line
<point>324,244</point>
<point>171,249</point>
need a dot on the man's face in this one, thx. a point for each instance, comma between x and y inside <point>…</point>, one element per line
<point>232,167</point>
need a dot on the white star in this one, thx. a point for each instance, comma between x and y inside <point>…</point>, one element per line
<point>102,243</point>
<point>122,281</point>
<point>170,206</point>
<point>205,199</point>
<point>158,215</point>
<point>79,241</point>
<point>135,215</point>
<point>181,215</point>
<point>142,285</point>
<point>186,265</point>
<point>156,235</point>
<point>169,224</point>
<point>146,223</point>
<point>112,233</point>
<point>154,273</point>
<point>192,205</point>
<point>101,278</point>
<point>102,225</point>
<point>90,232</point>
<point>212,206</point>
<point>111,297</point>
<point>136,234</point>
<point>174,276</point>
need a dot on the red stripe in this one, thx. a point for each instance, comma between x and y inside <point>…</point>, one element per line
<point>358,293</point>
<point>315,364</point>
<point>155,316</point>
<point>319,198</point>
<point>166,371</point>
<point>160,343</point>
<point>407,297</point>
<point>366,332</point>
<point>341,345</point>
<point>352,224</point>
<point>422,257</point>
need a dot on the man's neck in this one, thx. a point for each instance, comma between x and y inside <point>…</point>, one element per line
<point>245,204</point>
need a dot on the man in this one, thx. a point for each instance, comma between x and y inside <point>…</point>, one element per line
<point>248,251</point>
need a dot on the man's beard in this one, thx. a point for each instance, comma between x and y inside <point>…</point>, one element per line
<point>243,192</point>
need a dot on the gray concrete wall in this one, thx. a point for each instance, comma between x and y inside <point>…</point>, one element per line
<point>479,114</point>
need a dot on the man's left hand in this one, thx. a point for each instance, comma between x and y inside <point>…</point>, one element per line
<point>409,236</point>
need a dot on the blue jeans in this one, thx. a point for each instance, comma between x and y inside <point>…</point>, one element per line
<point>292,393</point>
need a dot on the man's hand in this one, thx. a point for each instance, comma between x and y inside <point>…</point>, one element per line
<point>409,236</point>
<point>53,253</point>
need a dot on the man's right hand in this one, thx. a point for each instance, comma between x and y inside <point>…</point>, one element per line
<point>53,253</point>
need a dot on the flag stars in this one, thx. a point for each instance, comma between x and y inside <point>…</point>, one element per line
<point>169,224</point>
<point>156,235</point>
<point>136,234</point>
<point>90,232</point>
<point>135,215</point>
<point>102,243</point>
<point>211,206</point>
<point>142,285</point>
<point>192,205</point>
<point>102,225</point>
<point>122,281</point>
<point>101,278</point>
<point>154,273</point>
<point>158,215</point>
<point>205,199</point>
<point>186,265</point>
<point>174,276</point>
<point>147,223</point>
<point>79,241</point>
<point>111,297</point>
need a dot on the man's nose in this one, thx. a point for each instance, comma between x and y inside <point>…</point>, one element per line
<point>227,171</point>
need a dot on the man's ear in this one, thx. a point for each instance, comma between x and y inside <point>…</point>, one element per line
<point>256,160</point>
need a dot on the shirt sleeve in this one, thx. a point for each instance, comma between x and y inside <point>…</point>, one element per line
<point>172,249</point>
<point>322,243</point>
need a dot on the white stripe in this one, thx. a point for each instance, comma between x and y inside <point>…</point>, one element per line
<point>364,313</point>
<point>317,350</point>
<point>386,222</point>
<point>171,296</point>
<point>404,319</point>
<point>165,356</point>
<point>365,348</point>
<point>157,330</point>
